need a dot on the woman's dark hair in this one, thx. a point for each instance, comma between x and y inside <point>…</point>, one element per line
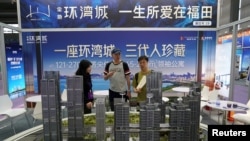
<point>83,65</point>
<point>143,57</point>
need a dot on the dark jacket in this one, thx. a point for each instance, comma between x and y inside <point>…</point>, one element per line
<point>87,82</point>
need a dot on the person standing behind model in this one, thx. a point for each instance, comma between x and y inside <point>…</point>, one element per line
<point>141,91</point>
<point>84,70</point>
<point>118,74</point>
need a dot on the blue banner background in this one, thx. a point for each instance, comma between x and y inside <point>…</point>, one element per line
<point>55,48</point>
<point>72,14</point>
<point>174,68</point>
<point>67,66</point>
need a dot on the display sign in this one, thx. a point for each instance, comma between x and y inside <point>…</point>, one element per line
<point>242,41</point>
<point>246,39</point>
<point>174,53</point>
<point>118,13</point>
<point>15,71</point>
<point>223,54</point>
<point>246,58</point>
<point>222,68</point>
<point>243,46</point>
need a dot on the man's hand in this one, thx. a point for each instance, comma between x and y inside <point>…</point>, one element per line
<point>129,94</point>
<point>89,105</point>
<point>137,90</point>
<point>108,75</point>
<point>111,73</point>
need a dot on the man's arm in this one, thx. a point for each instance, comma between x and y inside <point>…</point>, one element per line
<point>128,84</point>
<point>108,75</point>
<point>106,72</point>
<point>135,83</point>
<point>127,75</point>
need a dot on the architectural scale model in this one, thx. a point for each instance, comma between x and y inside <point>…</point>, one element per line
<point>154,86</point>
<point>193,101</point>
<point>100,119</point>
<point>75,107</point>
<point>183,115</point>
<point>179,117</point>
<point>150,117</point>
<point>121,121</point>
<point>51,107</point>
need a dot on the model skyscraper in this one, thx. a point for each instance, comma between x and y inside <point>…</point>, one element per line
<point>193,101</point>
<point>121,123</point>
<point>180,119</point>
<point>51,106</point>
<point>75,108</point>
<point>154,86</point>
<point>100,119</point>
<point>150,122</point>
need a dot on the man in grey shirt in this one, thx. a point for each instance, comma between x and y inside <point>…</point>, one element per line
<point>118,74</point>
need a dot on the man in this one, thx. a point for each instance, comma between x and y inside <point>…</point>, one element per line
<point>141,91</point>
<point>118,74</point>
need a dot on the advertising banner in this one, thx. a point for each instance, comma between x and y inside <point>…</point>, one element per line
<point>15,70</point>
<point>246,39</point>
<point>243,47</point>
<point>246,58</point>
<point>222,68</point>
<point>118,13</point>
<point>171,52</point>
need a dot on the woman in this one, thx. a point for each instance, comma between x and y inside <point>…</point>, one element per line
<point>84,70</point>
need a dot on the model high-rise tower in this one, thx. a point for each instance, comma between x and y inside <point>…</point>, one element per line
<point>100,119</point>
<point>150,123</point>
<point>193,101</point>
<point>75,107</point>
<point>154,86</point>
<point>180,120</point>
<point>51,106</point>
<point>121,123</point>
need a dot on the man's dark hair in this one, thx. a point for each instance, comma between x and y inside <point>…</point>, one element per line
<point>143,57</point>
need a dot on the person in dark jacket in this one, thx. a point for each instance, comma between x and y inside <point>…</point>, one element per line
<point>84,70</point>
